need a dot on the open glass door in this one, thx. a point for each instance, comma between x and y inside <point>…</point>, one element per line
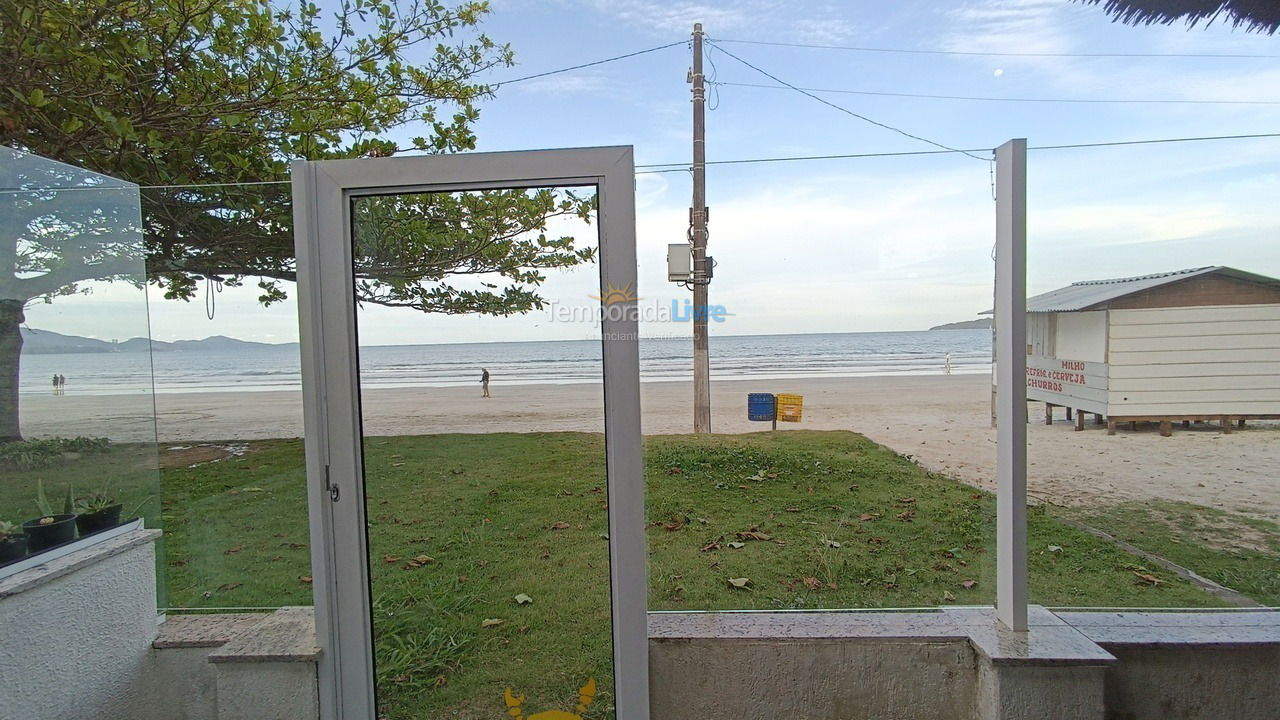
<point>471,377</point>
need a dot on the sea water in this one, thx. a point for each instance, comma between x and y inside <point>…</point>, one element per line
<point>259,367</point>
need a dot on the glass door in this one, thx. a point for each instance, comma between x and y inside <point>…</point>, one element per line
<point>472,397</point>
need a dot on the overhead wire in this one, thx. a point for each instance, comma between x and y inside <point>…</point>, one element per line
<point>589,64</point>
<point>981,53</point>
<point>842,109</point>
<point>1005,99</point>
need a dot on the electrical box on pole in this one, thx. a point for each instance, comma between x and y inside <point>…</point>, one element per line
<point>679,262</point>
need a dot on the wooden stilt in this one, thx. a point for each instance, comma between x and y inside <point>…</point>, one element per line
<point>1097,418</point>
<point>1166,428</point>
<point>1069,412</point>
<point>1111,427</point>
<point>1133,425</point>
<point>1048,413</point>
<point>1186,423</point>
<point>1079,421</point>
<point>1226,426</point>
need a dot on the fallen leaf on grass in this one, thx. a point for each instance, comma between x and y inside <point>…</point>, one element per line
<point>232,551</point>
<point>388,559</point>
<point>440,681</point>
<point>739,582</point>
<point>906,501</point>
<point>419,561</point>
<point>864,517</point>
<point>675,524</point>
<point>906,516</point>
<point>1148,579</point>
<point>229,586</point>
<point>560,525</point>
<point>754,534</point>
<point>737,545</point>
<point>812,583</point>
<point>675,471</point>
<point>831,543</point>
<point>968,584</point>
<point>491,622</point>
<point>306,579</point>
<point>1055,548</point>
<point>523,599</point>
<point>947,596</point>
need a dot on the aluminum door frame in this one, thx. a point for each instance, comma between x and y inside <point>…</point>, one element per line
<point>322,193</point>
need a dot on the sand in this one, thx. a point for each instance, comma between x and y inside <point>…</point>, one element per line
<point>941,421</point>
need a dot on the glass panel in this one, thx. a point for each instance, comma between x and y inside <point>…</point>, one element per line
<point>482,409</point>
<point>229,401</point>
<point>77,418</point>
<point>1185,363</point>
<point>879,496</point>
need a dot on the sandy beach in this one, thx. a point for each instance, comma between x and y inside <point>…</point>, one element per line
<point>942,421</point>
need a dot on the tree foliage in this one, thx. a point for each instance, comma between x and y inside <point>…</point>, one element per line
<point>210,92</point>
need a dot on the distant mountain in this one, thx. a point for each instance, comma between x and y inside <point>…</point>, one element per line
<point>46,342</point>
<point>979,324</point>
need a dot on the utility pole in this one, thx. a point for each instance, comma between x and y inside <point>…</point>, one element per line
<point>698,221</point>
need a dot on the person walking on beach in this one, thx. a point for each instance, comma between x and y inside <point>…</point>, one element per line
<point>62,384</point>
<point>484,382</point>
<point>55,384</point>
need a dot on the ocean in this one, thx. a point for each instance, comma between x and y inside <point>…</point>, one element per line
<point>260,368</point>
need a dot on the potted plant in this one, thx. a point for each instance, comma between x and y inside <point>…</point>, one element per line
<point>95,512</point>
<point>50,528</point>
<point>13,543</point>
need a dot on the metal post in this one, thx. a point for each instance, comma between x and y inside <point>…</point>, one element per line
<point>698,218</point>
<point>1011,384</point>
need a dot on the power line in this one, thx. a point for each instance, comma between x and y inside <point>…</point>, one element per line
<point>1005,99</point>
<point>845,110</point>
<point>590,64</point>
<point>672,167</point>
<point>905,51</point>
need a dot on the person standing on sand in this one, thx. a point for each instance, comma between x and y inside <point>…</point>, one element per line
<point>55,384</point>
<point>484,382</point>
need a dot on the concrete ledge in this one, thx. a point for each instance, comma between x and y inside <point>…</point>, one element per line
<point>287,635</point>
<point>960,664</point>
<point>89,554</point>
<point>203,631</point>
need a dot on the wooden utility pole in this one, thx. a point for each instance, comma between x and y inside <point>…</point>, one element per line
<point>698,220</point>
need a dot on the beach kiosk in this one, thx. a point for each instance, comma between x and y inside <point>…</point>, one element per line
<point>1194,345</point>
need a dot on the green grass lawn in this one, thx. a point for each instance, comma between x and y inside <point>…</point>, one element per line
<point>462,524</point>
<point>1239,552</point>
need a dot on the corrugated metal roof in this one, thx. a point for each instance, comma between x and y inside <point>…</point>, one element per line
<point>1091,293</point>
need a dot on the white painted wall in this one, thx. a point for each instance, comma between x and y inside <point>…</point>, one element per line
<point>1040,336</point>
<point>1218,360</point>
<point>1081,336</point>
<point>76,646</point>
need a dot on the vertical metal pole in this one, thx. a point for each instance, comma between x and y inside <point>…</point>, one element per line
<point>698,217</point>
<point>1011,384</point>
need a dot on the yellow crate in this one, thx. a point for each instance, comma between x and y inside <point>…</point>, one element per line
<point>790,407</point>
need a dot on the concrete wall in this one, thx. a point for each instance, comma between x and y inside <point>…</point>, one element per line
<point>881,679</point>
<point>1193,683</point>
<point>77,633</point>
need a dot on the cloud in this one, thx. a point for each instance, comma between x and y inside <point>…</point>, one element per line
<point>780,20</point>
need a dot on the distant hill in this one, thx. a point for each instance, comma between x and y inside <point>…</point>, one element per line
<point>46,342</point>
<point>979,324</point>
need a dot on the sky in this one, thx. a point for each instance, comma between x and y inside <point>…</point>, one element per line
<point>869,244</point>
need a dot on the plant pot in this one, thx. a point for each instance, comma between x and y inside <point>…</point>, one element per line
<point>42,537</point>
<point>101,520</point>
<point>12,547</point>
